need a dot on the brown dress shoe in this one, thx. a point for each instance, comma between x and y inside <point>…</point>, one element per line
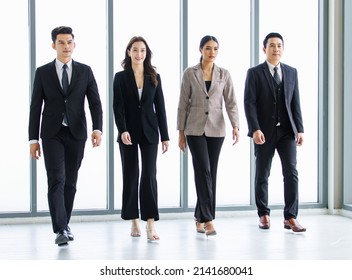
<point>294,225</point>
<point>264,222</point>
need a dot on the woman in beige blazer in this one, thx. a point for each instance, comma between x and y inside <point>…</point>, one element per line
<point>200,121</point>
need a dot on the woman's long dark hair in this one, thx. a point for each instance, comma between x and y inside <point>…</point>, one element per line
<point>149,69</point>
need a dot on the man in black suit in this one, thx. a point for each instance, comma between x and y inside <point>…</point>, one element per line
<point>62,85</point>
<point>273,112</point>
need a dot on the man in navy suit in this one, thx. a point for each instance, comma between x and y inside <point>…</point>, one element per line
<point>273,112</point>
<point>62,86</point>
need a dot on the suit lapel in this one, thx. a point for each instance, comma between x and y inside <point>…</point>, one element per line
<point>54,77</point>
<point>199,77</point>
<point>216,77</point>
<point>284,78</point>
<point>269,78</point>
<point>133,85</point>
<point>74,76</point>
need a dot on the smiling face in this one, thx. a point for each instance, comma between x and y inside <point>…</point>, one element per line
<point>274,50</point>
<point>138,52</point>
<point>209,51</point>
<point>64,46</point>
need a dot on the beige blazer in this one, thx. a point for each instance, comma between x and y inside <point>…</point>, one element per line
<point>200,111</point>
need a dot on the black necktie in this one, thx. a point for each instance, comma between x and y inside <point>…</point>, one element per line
<point>277,82</point>
<point>276,76</point>
<point>64,79</point>
<point>64,82</point>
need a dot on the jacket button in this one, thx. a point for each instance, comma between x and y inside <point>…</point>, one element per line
<point>206,113</point>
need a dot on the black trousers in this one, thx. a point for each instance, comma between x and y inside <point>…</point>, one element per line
<point>283,141</point>
<point>145,188</point>
<point>63,155</point>
<point>205,156</point>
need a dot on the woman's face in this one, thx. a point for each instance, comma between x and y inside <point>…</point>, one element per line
<point>209,51</point>
<point>138,52</point>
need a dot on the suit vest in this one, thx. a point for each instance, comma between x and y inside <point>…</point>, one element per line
<point>281,115</point>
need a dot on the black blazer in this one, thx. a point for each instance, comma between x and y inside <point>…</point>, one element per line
<point>47,89</point>
<point>260,99</point>
<point>146,116</point>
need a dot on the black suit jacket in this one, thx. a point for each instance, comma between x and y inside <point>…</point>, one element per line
<point>260,99</point>
<point>146,116</point>
<point>47,89</point>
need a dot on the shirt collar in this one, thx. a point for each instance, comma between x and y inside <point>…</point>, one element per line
<point>271,66</point>
<point>60,64</point>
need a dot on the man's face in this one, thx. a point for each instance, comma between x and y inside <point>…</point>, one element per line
<point>64,46</point>
<point>274,50</point>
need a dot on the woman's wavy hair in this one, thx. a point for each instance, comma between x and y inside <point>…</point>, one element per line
<point>149,69</point>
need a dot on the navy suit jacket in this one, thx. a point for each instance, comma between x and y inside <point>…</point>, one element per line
<point>47,89</point>
<point>139,117</point>
<point>260,99</point>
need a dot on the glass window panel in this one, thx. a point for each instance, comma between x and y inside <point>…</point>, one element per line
<point>89,28</point>
<point>14,166</point>
<point>347,102</point>
<point>131,21</point>
<point>230,24</point>
<point>90,36</point>
<point>301,52</point>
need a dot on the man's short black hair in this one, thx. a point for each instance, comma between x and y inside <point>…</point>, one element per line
<point>272,35</point>
<point>61,30</point>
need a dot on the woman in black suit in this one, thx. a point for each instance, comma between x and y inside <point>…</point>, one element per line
<point>140,118</point>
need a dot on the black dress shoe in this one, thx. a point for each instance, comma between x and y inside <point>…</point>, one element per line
<point>61,238</point>
<point>70,235</point>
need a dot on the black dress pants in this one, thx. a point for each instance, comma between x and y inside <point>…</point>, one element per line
<point>145,188</point>
<point>63,155</point>
<point>283,141</point>
<point>205,155</point>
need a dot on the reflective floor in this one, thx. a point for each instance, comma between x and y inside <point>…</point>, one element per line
<point>328,237</point>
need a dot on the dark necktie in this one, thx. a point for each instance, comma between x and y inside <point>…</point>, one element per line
<point>277,82</point>
<point>276,76</point>
<point>64,82</point>
<point>64,79</point>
